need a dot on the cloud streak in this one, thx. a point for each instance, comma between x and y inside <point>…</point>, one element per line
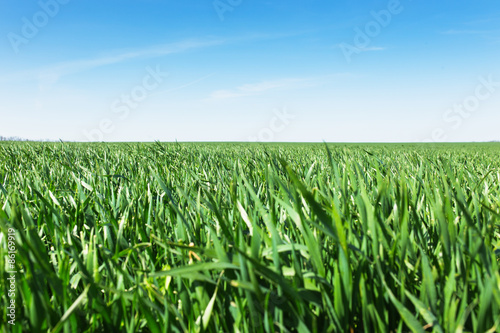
<point>253,89</point>
<point>468,32</point>
<point>51,74</point>
<point>259,88</point>
<point>365,49</point>
<point>372,48</point>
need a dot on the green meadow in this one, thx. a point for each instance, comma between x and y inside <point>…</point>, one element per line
<point>236,237</point>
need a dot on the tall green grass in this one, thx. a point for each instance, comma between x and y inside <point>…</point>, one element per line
<point>252,238</point>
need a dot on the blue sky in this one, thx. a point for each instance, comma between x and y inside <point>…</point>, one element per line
<point>241,70</point>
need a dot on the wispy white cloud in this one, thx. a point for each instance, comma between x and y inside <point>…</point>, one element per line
<point>48,75</point>
<point>372,48</point>
<point>257,88</point>
<point>468,32</point>
<point>490,36</point>
<point>184,85</point>
<point>51,74</point>
<point>253,89</point>
<point>365,49</point>
<point>485,20</point>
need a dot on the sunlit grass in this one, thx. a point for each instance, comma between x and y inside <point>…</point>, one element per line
<point>250,238</point>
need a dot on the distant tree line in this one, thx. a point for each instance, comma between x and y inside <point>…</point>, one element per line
<point>16,138</point>
<point>13,138</point>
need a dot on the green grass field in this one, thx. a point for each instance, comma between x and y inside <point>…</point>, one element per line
<point>223,237</point>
